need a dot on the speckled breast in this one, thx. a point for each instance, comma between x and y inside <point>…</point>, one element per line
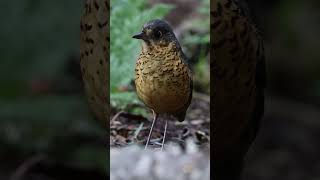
<point>162,81</point>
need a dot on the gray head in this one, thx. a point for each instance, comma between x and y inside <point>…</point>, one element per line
<point>156,32</point>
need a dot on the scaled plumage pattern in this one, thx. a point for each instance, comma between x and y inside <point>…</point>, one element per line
<point>94,56</point>
<point>163,78</point>
<point>238,79</point>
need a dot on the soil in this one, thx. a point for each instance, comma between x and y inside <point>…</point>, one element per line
<point>126,128</point>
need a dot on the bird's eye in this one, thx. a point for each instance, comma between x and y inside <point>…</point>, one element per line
<point>158,34</point>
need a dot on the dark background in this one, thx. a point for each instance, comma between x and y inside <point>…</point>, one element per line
<point>288,145</point>
<point>44,116</point>
<point>46,129</point>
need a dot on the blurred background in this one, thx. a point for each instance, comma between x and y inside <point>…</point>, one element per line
<point>46,129</point>
<point>190,22</point>
<point>288,146</point>
<point>129,117</point>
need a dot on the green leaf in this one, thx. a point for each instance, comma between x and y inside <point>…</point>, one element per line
<point>127,18</point>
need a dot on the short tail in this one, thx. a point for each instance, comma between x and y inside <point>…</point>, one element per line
<point>180,116</point>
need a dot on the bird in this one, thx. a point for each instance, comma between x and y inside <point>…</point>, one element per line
<point>94,57</point>
<point>238,80</point>
<point>163,78</point>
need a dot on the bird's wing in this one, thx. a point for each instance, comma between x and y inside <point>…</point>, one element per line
<point>181,114</point>
<point>94,53</point>
<point>260,87</point>
<point>237,74</point>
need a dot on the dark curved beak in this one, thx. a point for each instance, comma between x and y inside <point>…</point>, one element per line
<point>140,35</point>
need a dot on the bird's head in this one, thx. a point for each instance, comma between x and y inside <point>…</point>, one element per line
<point>156,33</point>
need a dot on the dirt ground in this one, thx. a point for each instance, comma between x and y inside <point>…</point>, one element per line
<point>128,128</point>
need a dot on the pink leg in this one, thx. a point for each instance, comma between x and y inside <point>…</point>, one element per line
<point>164,134</point>
<point>155,116</point>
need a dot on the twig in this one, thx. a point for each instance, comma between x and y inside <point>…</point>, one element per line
<point>26,165</point>
<point>137,131</point>
<point>116,116</point>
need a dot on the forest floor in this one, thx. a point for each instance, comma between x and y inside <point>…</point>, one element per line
<point>126,128</point>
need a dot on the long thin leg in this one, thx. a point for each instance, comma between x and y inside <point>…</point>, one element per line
<point>155,116</point>
<point>164,134</point>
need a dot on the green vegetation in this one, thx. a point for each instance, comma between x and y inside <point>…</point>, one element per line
<point>201,24</point>
<point>201,39</point>
<point>127,18</point>
<point>37,40</point>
